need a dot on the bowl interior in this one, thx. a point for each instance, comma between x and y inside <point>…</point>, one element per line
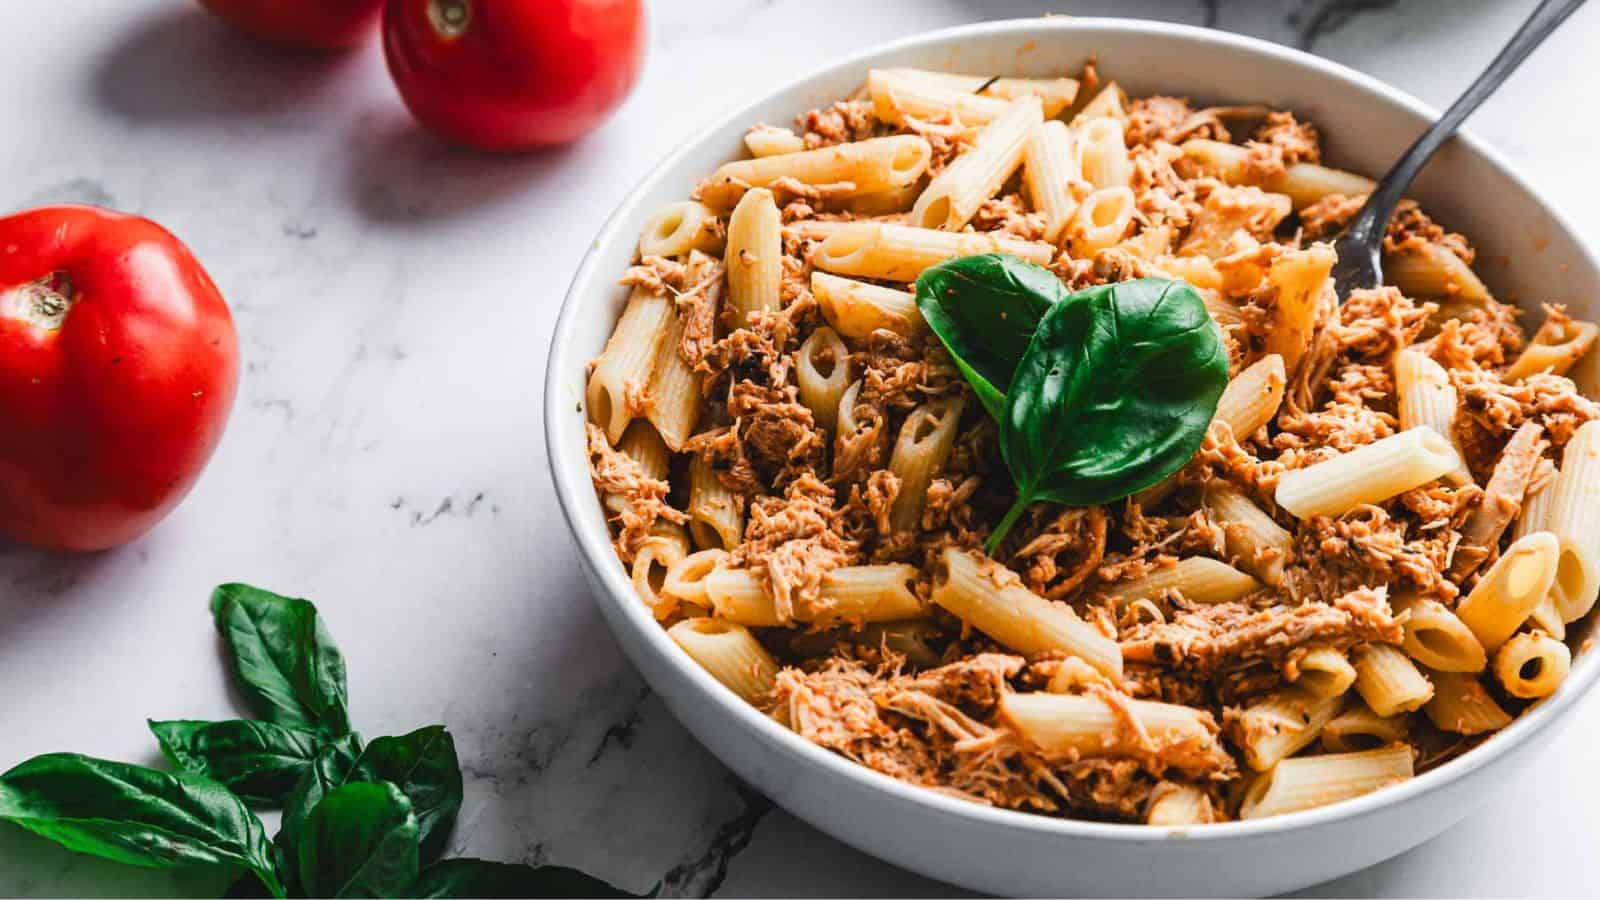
<point>1527,254</point>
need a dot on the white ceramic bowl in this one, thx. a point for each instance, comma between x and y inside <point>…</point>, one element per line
<point>1526,252</point>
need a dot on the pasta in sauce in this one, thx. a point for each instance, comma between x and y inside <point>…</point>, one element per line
<point>1370,563</point>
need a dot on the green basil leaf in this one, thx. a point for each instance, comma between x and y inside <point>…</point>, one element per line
<point>259,761</point>
<point>481,878</point>
<point>332,765</point>
<point>1114,393</point>
<point>134,815</point>
<point>284,660</point>
<point>422,764</point>
<point>984,309</point>
<point>360,841</point>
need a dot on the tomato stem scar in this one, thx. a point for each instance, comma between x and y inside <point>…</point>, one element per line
<point>449,18</point>
<point>43,303</point>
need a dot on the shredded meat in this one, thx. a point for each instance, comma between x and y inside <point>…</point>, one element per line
<point>639,500</point>
<point>792,542</point>
<point>1221,637</point>
<point>811,473</point>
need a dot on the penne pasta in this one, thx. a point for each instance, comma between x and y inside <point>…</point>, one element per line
<point>1050,169</point>
<point>1252,398</point>
<point>1281,725</point>
<point>1089,727</point>
<point>754,256</point>
<point>1557,346</point>
<point>1356,727</point>
<point>822,372</point>
<point>896,97</point>
<point>1460,704</point>
<point>1573,516</point>
<point>1173,804</point>
<point>1324,672</point>
<point>1197,579</point>
<point>680,227</point>
<point>673,389</point>
<point>1100,221</point>
<point>900,252</point>
<point>729,653</point>
<point>925,440</point>
<point>1427,398</point>
<point>1303,183</point>
<point>1506,594</point>
<point>850,594</point>
<point>953,195</point>
<point>1055,94</point>
<point>617,389</point>
<point>1300,278</point>
<point>1313,781</point>
<point>1532,665</point>
<point>1436,637</point>
<point>1016,617</point>
<point>1433,271</point>
<point>859,167</point>
<point>1367,474</point>
<point>1256,542</point>
<point>1388,680</point>
<point>685,579</point>
<point>716,516</point>
<point>1103,154</point>
<point>856,309</point>
<point>769,140</point>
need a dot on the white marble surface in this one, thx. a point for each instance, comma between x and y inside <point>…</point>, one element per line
<point>395,299</point>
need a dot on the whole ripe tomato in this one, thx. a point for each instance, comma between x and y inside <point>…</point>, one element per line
<point>301,24</point>
<point>118,366</point>
<point>513,74</point>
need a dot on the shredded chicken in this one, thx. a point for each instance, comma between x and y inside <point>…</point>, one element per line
<point>818,485</point>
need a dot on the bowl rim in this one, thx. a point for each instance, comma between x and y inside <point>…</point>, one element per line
<point>600,558</point>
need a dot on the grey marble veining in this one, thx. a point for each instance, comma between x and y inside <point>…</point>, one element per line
<point>395,299</point>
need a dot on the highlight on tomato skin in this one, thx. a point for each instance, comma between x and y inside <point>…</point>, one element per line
<point>301,24</point>
<point>513,75</point>
<point>119,364</point>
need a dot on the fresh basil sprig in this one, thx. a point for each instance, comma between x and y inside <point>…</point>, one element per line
<point>422,764</point>
<point>360,841</point>
<point>1098,394</point>
<point>359,821</point>
<point>259,761</point>
<point>284,660</point>
<point>984,310</point>
<point>1114,393</point>
<point>134,815</point>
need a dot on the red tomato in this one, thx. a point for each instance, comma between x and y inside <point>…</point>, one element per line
<point>301,24</point>
<point>513,74</point>
<point>118,365</point>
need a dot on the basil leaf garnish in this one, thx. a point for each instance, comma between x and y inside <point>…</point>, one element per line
<point>422,764</point>
<point>259,761</point>
<point>329,770</point>
<point>1115,392</point>
<point>360,841</point>
<point>481,878</point>
<point>984,310</point>
<point>284,660</point>
<point>134,815</point>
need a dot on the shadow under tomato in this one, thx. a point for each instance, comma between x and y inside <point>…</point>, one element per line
<point>184,65</point>
<point>401,175</point>
<point>37,582</point>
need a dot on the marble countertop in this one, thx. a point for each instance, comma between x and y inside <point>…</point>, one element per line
<point>395,300</point>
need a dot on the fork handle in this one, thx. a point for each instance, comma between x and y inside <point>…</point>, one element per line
<point>1374,216</point>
